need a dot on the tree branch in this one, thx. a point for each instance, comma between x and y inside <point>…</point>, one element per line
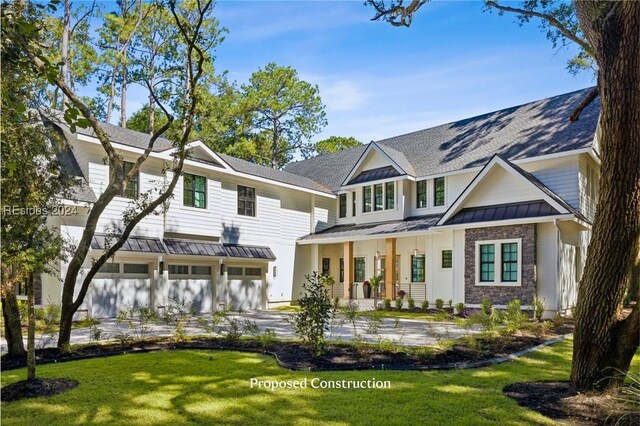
<point>591,96</point>
<point>550,19</point>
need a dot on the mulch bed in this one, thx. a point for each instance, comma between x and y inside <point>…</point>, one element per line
<point>35,388</point>
<point>560,402</point>
<point>294,355</point>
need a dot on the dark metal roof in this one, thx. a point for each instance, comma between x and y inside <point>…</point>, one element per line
<point>249,252</point>
<point>192,247</point>
<point>375,174</point>
<point>411,224</point>
<point>137,244</point>
<point>529,209</point>
<point>538,128</point>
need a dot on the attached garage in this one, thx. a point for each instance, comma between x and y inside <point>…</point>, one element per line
<point>117,286</point>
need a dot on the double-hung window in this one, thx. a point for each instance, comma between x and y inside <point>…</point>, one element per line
<point>343,205</point>
<point>366,199</point>
<point>447,259</point>
<point>377,190</point>
<point>353,203</point>
<point>421,194</point>
<point>389,196</point>
<point>195,191</point>
<point>131,191</point>
<point>487,262</point>
<point>438,191</point>
<point>246,201</point>
<point>509,262</point>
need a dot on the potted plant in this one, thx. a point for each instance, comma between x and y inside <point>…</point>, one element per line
<point>366,289</point>
<point>375,286</point>
<point>401,294</point>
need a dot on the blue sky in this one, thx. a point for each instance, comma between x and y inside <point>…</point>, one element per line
<point>376,80</point>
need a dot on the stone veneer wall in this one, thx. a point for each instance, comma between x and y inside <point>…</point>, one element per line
<point>501,295</point>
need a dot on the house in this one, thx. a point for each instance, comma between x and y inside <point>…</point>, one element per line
<point>497,206</point>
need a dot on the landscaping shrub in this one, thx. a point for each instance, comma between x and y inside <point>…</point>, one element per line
<point>514,317</point>
<point>177,315</point>
<point>374,322</point>
<point>538,308</point>
<point>451,303</point>
<point>399,303</point>
<point>412,303</point>
<point>387,304</point>
<point>138,320</point>
<point>460,308</point>
<point>439,303</point>
<point>267,338</point>
<point>351,314</point>
<point>485,306</point>
<point>315,314</point>
<point>425,305</point>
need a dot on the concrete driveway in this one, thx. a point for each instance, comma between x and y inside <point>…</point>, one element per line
<point>401,331</point>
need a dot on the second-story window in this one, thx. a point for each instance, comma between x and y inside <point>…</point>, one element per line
<point>366,199</point>
<point>377,190</point>
<point>390,196</point>
<point>438,191</point>
<point>131,191</point>
<point>246,201</point>
<point>195,191</point>
<point>421,194</point>
<point>343,205</point>
<point>353,203</point>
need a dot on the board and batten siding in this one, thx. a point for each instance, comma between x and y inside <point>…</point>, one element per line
<point>559,175</point>
<point>588,196</point>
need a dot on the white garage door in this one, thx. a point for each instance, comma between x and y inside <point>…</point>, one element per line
<point>118,286</point>
<point>245,284</point>
<point>190,284</point>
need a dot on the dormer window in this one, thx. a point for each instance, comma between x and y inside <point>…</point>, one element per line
<point>390,196</point>
<point>438,191</point>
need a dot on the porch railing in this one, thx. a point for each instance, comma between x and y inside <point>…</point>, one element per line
<point>415,291</point>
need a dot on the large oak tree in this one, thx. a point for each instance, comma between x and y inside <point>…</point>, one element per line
<point>608,33</point>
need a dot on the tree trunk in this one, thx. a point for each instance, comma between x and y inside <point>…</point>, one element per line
<point>604,344</point>
<point>12,324</point>
<point>152,110</point>
<point>123,92</point>
<point>31,330</point>
<point>112,94</point>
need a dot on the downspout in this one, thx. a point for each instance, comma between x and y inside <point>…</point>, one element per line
<point>558,266</point>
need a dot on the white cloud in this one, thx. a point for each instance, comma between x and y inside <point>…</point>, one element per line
<point>343,95</point>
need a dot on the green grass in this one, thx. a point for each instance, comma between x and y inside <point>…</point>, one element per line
<point>423,316</point>
<point>289,308</point>
<point>212,387</point>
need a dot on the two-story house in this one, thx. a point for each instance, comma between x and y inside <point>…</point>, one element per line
<point>495,206</point>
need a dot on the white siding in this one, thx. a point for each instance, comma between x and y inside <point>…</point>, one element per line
<point>588,176</point>
<point>500,187</point>
<point>547,266</point>
<point>559,175</point>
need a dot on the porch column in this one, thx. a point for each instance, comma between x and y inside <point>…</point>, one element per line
<point>348,267</point>
<point>390,267</point>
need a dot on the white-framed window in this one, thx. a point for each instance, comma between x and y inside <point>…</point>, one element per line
<point>201,270</point>
<point>234,270</point>
<point>178,269</point>
<point>136,268</point>
<point>499,262</point>
<point>253,272</point>
<point>109,268</point>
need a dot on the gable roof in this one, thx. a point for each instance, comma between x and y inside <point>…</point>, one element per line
<point>508,211</point>
<point>530,130</point>
<point>367,152</point>
<point>548,196</point>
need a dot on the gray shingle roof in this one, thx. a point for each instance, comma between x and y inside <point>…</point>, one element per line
<point>129,137</point>
<point>533,129</point>
<point>273,174</point>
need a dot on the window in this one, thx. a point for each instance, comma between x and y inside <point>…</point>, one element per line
<point>359,269</point>
<point>417,269</point>
<point>390,196</point>
<point>136,268</point>
<point>353,203</point>
<point>178,270</point>
<point>379,267</point>
<point>447,259</point>
<point>195,191</point>
<point>326,266</point>
<point>343,205</point>
<point>110,268</point>
<point>21,288</point>
<point>366,199</point>
<point>131,191</point>
<point>341,270</point>
<point>438,191</point>
<point>253,272</point>
<point>421,195</point>
<point>234,270</point>
<point>246,201</point>
<point>379,202</point>
<point>487,262</point>
<point>201,270</point>
<point>509,262</point>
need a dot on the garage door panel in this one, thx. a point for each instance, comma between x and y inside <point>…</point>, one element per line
<point>133,292</point>
<point>197,292</point>
<point>110,295</point>
<point>245,293</point>
<point>103,296</point>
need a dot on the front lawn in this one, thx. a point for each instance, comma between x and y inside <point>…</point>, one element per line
<point>212,387</point>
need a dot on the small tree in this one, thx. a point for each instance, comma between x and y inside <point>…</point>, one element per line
<point>315,315</point>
